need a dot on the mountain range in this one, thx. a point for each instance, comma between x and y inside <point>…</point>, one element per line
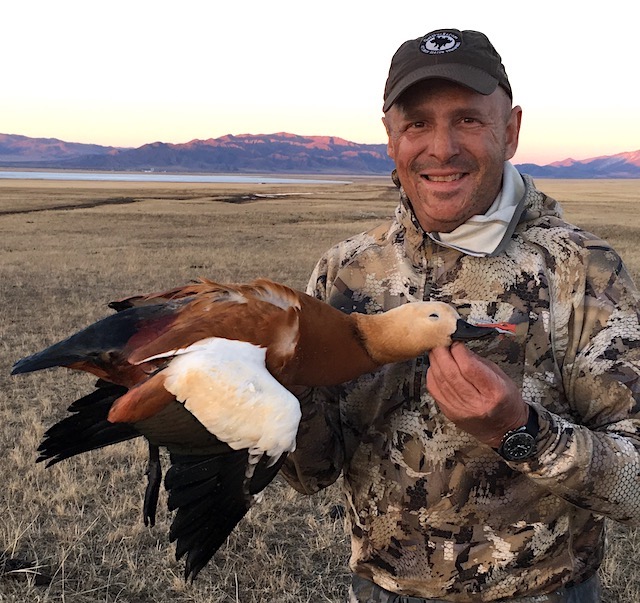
<point>262,153</point>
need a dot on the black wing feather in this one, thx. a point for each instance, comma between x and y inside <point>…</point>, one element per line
<point>211,494</point>
<point>87,427</point>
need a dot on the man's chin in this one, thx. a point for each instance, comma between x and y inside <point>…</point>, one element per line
<point>441,214</point>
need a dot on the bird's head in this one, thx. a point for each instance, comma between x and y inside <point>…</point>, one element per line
<point>412,329</point>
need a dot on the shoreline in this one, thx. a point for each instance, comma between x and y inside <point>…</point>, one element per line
<point>168,177</point>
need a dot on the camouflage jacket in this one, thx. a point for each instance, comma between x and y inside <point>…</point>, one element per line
<point>433,512</point>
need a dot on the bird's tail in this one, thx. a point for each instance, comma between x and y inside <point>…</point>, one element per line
<point>101,348</point>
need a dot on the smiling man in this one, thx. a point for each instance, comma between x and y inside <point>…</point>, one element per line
<point>482,472</point>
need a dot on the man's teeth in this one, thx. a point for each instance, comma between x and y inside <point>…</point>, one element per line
<point>449,178</point>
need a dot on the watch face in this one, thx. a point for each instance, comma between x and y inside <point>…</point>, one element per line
<point>518,446</point>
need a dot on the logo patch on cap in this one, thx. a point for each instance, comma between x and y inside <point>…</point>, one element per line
<point>440,42</point>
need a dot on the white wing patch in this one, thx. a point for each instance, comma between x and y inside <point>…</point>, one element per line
<point>226,386</point>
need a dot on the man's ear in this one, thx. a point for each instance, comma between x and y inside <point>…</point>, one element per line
<point>385,123</point>
<point>512,133</point>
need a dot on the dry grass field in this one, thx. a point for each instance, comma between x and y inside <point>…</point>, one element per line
<point>67,249</point>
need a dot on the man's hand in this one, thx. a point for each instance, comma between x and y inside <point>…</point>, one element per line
<point>475,394</point>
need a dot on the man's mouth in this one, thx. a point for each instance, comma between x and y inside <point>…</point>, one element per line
<point>447,178</point>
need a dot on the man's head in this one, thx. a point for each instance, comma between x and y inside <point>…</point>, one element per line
<point>448,115</point>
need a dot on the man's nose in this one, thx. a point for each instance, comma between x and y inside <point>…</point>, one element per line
<point>444,143</point>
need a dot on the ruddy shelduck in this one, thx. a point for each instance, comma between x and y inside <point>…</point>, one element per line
<point>206,370</point>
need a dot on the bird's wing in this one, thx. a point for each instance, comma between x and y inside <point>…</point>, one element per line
<point>211,486</point>
<point>263,289</point>
<point>224,383</point>
<point>87,427</point>
<point>235,316</point>
<point>190,290</point>
<point>263,313</point>
<point>211,495</point>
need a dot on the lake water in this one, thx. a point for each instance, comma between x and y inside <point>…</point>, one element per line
<point>153,177</point>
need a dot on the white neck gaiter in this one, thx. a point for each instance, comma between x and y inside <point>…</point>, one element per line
<point>482,235</point>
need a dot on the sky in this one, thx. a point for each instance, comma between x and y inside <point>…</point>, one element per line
<point>130,72</point>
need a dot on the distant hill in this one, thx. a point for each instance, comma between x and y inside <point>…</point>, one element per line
<point>622,165</point>
<point>15,149</point>
<point>245,153</point>
<point>263,153</point>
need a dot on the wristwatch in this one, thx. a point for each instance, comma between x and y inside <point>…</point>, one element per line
<point>520,444</point>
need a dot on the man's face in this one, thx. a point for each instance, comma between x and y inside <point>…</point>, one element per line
<point>449,145</point>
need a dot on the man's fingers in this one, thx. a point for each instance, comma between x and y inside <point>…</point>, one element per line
<point>474,393</point>
<point>446,381</point>
<point>447,365</point>
<point>485,375</point>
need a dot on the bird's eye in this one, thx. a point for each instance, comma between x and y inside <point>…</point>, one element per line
<point>434,315</point>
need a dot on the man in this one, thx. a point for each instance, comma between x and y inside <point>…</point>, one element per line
<point>480,473</point>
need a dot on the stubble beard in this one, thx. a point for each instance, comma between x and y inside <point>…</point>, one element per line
<point>478,201</point>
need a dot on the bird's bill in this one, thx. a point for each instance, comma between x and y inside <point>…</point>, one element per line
<point>465,330</point>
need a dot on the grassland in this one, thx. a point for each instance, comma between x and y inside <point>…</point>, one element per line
<point>67,249</point>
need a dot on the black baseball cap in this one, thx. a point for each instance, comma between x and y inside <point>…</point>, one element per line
<point>464,57</point>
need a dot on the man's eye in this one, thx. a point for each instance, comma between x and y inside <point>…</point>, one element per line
<point>418,124</point>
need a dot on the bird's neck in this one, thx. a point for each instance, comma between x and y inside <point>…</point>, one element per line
<point>388,339</point>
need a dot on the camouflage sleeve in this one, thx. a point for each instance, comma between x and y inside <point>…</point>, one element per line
<point>319,456</point>
<point>593,460</point>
